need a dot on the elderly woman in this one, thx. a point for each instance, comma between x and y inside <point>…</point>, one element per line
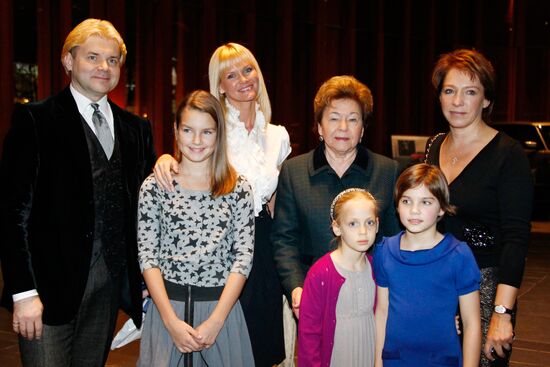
<point>308,183</point>
<point>490,184</point>
<point>256,149</point>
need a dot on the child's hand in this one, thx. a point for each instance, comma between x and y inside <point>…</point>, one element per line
<point>185,338</point>
<point>457,325</point>
<point>296,300</point>
<point>208,332</point>
<point>163,169</point>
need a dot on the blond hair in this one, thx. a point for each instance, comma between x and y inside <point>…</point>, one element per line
<point>93,27</point>
<point>347,195</point>
<point>227,56</point>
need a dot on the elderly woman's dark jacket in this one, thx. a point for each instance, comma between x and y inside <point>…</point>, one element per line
<point>301,231</point>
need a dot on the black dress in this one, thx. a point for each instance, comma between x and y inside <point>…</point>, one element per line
<point>261,299</point>
<point>493,195</point>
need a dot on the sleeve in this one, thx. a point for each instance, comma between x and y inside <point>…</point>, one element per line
<point>310,326</point>
<point>285,234</point>
<point>150,154</point>
<point>19,170</point>
<point>149,226</point>
<point>262,171</point>
<point>243,226</point>
<point>390,223</point>
<point>467,274</point>
<point>379,271</point>
<point>285,148</point>
<point>515,196</point>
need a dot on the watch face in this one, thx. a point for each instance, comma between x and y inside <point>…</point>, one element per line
<point>500,309</point>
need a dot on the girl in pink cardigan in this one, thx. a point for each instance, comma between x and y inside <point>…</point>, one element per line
<point>336,326</point>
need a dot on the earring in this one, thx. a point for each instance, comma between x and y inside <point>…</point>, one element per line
<point>320,138</point>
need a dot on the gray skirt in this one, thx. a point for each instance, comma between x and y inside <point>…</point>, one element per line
<point>232,347</point>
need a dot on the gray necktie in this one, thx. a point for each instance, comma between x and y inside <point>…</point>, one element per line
<point>103,132</point>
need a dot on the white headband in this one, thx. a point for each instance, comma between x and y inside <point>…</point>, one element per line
<point>339,196</point>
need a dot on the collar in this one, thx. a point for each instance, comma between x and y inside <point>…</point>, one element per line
<point>361,160</point>
<point>421,257</point>
<point>83,102</point>
<point>233,119</point>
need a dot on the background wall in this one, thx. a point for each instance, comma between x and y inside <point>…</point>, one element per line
<point>389,45</point>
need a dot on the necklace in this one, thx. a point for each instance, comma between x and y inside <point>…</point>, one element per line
<point>453,157</point>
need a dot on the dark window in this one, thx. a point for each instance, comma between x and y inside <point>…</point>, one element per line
<point>523,133</point>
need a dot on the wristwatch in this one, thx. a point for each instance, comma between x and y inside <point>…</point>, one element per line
<point>500,309</point>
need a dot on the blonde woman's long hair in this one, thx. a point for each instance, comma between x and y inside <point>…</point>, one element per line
<point>225,57</point>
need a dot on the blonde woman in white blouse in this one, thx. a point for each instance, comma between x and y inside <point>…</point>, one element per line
<point>256,149</point>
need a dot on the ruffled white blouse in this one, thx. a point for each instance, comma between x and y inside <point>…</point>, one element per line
<point>257,155</point>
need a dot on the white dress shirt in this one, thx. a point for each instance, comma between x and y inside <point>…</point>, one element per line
<point>84,105</point>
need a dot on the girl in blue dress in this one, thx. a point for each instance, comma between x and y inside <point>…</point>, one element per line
<point>422,276</point>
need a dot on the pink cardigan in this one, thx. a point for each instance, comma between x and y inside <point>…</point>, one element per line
<point>317,321</point>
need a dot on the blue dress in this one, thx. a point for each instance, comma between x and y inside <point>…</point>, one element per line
<point>424,287</point>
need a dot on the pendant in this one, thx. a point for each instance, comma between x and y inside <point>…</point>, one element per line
<point>454,160</point>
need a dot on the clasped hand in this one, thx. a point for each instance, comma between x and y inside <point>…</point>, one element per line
<point>188,339</point>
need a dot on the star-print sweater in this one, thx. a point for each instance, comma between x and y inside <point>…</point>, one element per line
<point>194,238</point>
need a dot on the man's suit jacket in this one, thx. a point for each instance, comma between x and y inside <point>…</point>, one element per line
<point>48,205</point>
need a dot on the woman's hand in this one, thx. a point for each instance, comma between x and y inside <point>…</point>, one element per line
<point>296,300</point>
<point>209,331</point>
<point>501,331</point>
<point>457,325</point>
<point>163,169</point>
<point>499,336</point>
<point>185,338</point>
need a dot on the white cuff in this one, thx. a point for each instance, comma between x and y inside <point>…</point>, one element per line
<point>24,295</point>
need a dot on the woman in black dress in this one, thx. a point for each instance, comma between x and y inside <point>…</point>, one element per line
<point>490,184</point>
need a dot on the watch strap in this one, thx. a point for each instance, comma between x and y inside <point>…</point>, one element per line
<point>500,309</point>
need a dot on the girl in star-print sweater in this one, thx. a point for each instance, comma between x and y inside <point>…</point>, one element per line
<point>195,249</point>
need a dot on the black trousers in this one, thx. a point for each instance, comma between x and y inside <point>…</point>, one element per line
<point>86,340</point>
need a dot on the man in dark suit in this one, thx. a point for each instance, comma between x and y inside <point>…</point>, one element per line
<point>71,170</point>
